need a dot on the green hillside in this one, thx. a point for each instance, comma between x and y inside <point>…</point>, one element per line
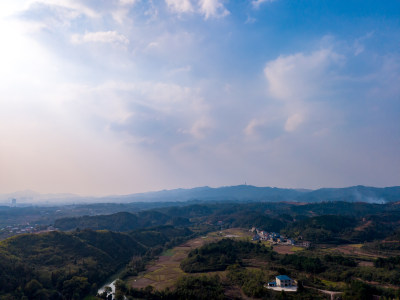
<point>59,265</point>
<point>122,221</point>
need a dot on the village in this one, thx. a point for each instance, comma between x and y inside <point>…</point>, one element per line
<point>16,229</point>
<point>276,238</point>
<point>281,282</point>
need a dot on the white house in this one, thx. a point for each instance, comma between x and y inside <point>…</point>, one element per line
<point>282,283</point>
<point>284,280</point>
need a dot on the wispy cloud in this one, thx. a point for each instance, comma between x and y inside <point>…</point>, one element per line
<point>207,8</point>
<point>71,8</point>
<point>256,3</point>
<point>299,80</point>
<point>359,43</point>
<point>128,2</point>
<point>180,6</point>
<point>301,76</point>
<point>155,114</point>
<point>111,37</point>
<point>213,9</point>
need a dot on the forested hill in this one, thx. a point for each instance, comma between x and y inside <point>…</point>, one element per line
<point>353,194</point>
<point>122,221</point>
<point>253,193</point>
<point>59,265</point>
<point>228,193</point>
<point>42,264</point>
<point>331,222</point>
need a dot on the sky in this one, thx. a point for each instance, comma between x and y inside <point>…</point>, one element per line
<point>122,96</point>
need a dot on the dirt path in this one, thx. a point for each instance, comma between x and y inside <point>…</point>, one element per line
<point>334,295</point>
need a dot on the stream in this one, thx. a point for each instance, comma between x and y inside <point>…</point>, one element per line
<point>111,283</point>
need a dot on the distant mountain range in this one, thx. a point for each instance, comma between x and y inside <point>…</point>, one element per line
<point>228,193</point>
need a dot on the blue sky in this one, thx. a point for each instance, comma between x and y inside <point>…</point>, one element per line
<point>114,97</point>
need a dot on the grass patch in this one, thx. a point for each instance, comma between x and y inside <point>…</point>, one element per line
<point>296,249</point>
<point>266,243</point>
<point>164,274</point>
<point>356,245</point>
<point>169,252</point>
<point>334,285</point>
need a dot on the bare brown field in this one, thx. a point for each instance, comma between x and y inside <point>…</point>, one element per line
<point>363,226</point>
<point>254,263</point>
<point>366,263</point>
<point>163,272</point>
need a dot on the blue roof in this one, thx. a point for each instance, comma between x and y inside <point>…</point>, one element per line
<point>283,277</point>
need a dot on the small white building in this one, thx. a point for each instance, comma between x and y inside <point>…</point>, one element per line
<point>284,280</point>
<point>282,283</point>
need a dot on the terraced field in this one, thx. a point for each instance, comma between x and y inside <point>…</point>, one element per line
<point>166,270</point>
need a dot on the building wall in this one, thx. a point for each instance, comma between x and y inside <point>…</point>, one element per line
<point>284,282</point>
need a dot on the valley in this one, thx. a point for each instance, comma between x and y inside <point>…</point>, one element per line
<point>228,250</point>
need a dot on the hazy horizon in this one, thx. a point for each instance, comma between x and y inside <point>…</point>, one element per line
<point>65,195</point>
<point>127,96</point>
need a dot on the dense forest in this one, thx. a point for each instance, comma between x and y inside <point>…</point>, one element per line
<point>122,221</point>
<point>328,222</point>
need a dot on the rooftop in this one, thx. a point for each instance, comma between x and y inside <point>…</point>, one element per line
<point>283,277</point>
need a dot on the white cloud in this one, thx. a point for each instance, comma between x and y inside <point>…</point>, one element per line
<point>147,113</point>
<point>185,69</point>
<point>207,8</point>
<point>64,12</point>
<point>121,11</point>
<point>111,37</point>
<point>77,7</point>
<point>128,2</point>
<point>300,76</point>
<point>179,6</point>
<point>301,81</point>
<point>213,8</point>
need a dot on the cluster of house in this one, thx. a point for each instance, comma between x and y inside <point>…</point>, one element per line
<point>276,238</point>
<point>9,230</point>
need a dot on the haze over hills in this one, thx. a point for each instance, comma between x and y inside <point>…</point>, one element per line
<point>227,193</point>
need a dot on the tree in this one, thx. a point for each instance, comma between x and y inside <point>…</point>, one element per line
<point>32,287</point>
<point>76,288</point>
